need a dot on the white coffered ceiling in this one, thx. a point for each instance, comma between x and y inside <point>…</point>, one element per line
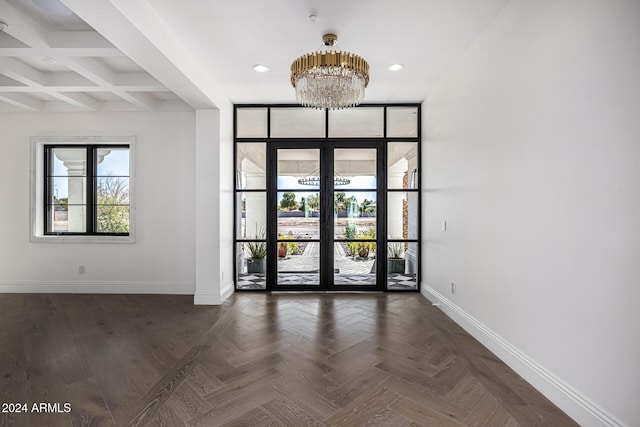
<point>189,54</point>
<point>60,63</point>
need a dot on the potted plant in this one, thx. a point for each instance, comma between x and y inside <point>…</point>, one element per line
<point>287,248</point>
<point>360,248</point>
<point>395,261</point>
<point>257,262</point>
<point>282,250</point>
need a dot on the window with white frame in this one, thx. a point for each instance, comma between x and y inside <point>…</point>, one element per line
<point>82,189</point>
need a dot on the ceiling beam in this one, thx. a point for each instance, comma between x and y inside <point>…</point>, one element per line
<point>78,39</point>
<point>80,100</point>
<point>59,45</point>
<point>22,100</point>
<point>90,69</point>
<point>21,72</point>
<point>136,29</point>
<point>22,28</point>
<point>103,77</point>
<point>60,52</point>
<point>141,100</point>
<point>79,88</point>
<point>79,52</point>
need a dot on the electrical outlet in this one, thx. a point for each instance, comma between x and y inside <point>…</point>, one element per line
<point>444,225</point>
<point>82,269</point>
<point>453,288</point>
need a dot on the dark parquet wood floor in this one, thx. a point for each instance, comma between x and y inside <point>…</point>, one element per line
<point>258,360</point>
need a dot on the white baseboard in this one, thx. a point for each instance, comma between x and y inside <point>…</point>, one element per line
<point>227,290</point>
<point>576,405</point>
<point>214,298</point>
<point>97,287</point>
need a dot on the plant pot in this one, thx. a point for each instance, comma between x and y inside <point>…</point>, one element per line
<point>363,251</point>
<point>282,250</point>
<point>257,265</point>
<point>395,265</point>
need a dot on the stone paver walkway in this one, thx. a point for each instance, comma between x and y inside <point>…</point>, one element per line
<point>310,261</point>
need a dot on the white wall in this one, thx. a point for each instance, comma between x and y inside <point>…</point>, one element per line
<point>227,173</point>
<point>214,205</point>
<point>531,156</point>
<point>163,258</point>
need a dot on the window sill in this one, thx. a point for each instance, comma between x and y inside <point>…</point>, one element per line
<point>83,239</point>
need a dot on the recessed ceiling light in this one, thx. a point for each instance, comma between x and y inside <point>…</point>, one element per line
<point>395,67</point>
<point>260,68</point>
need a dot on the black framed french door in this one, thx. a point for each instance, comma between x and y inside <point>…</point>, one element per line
<point>324,202</point>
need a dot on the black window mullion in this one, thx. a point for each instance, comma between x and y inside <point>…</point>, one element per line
<point>91,196</point>
<point>47,189</point>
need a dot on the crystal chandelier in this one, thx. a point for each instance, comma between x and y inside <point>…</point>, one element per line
<point>330,79</point>
<point>313,179</point>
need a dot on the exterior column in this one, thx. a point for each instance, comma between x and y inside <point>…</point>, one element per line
<point>255,209</point>
<point>411,255</point>
<point>76,208</point>
<point>75,161</point>
<point>394,207</point>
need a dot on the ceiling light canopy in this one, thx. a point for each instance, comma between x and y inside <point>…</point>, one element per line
<point>330,78</point>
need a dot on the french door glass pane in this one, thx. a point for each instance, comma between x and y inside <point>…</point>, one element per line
<point>251,211</point>
<point>354,168</point>
<point>354,215</point>
<point>402,265</point>
<point>402,215</point>
<point>402,165</point>
<point>299,215</point>
<point>299,263</point>
<point>251,166</point>
<point>251,265</point>
<point>354,263</point>
<point>299,169</point>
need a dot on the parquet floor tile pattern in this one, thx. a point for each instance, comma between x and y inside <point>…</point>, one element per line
<point>257,360</point>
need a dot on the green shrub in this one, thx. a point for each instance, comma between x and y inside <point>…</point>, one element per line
<point>293,248</point>
<point>362,249</point>
<point>350,231</point>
